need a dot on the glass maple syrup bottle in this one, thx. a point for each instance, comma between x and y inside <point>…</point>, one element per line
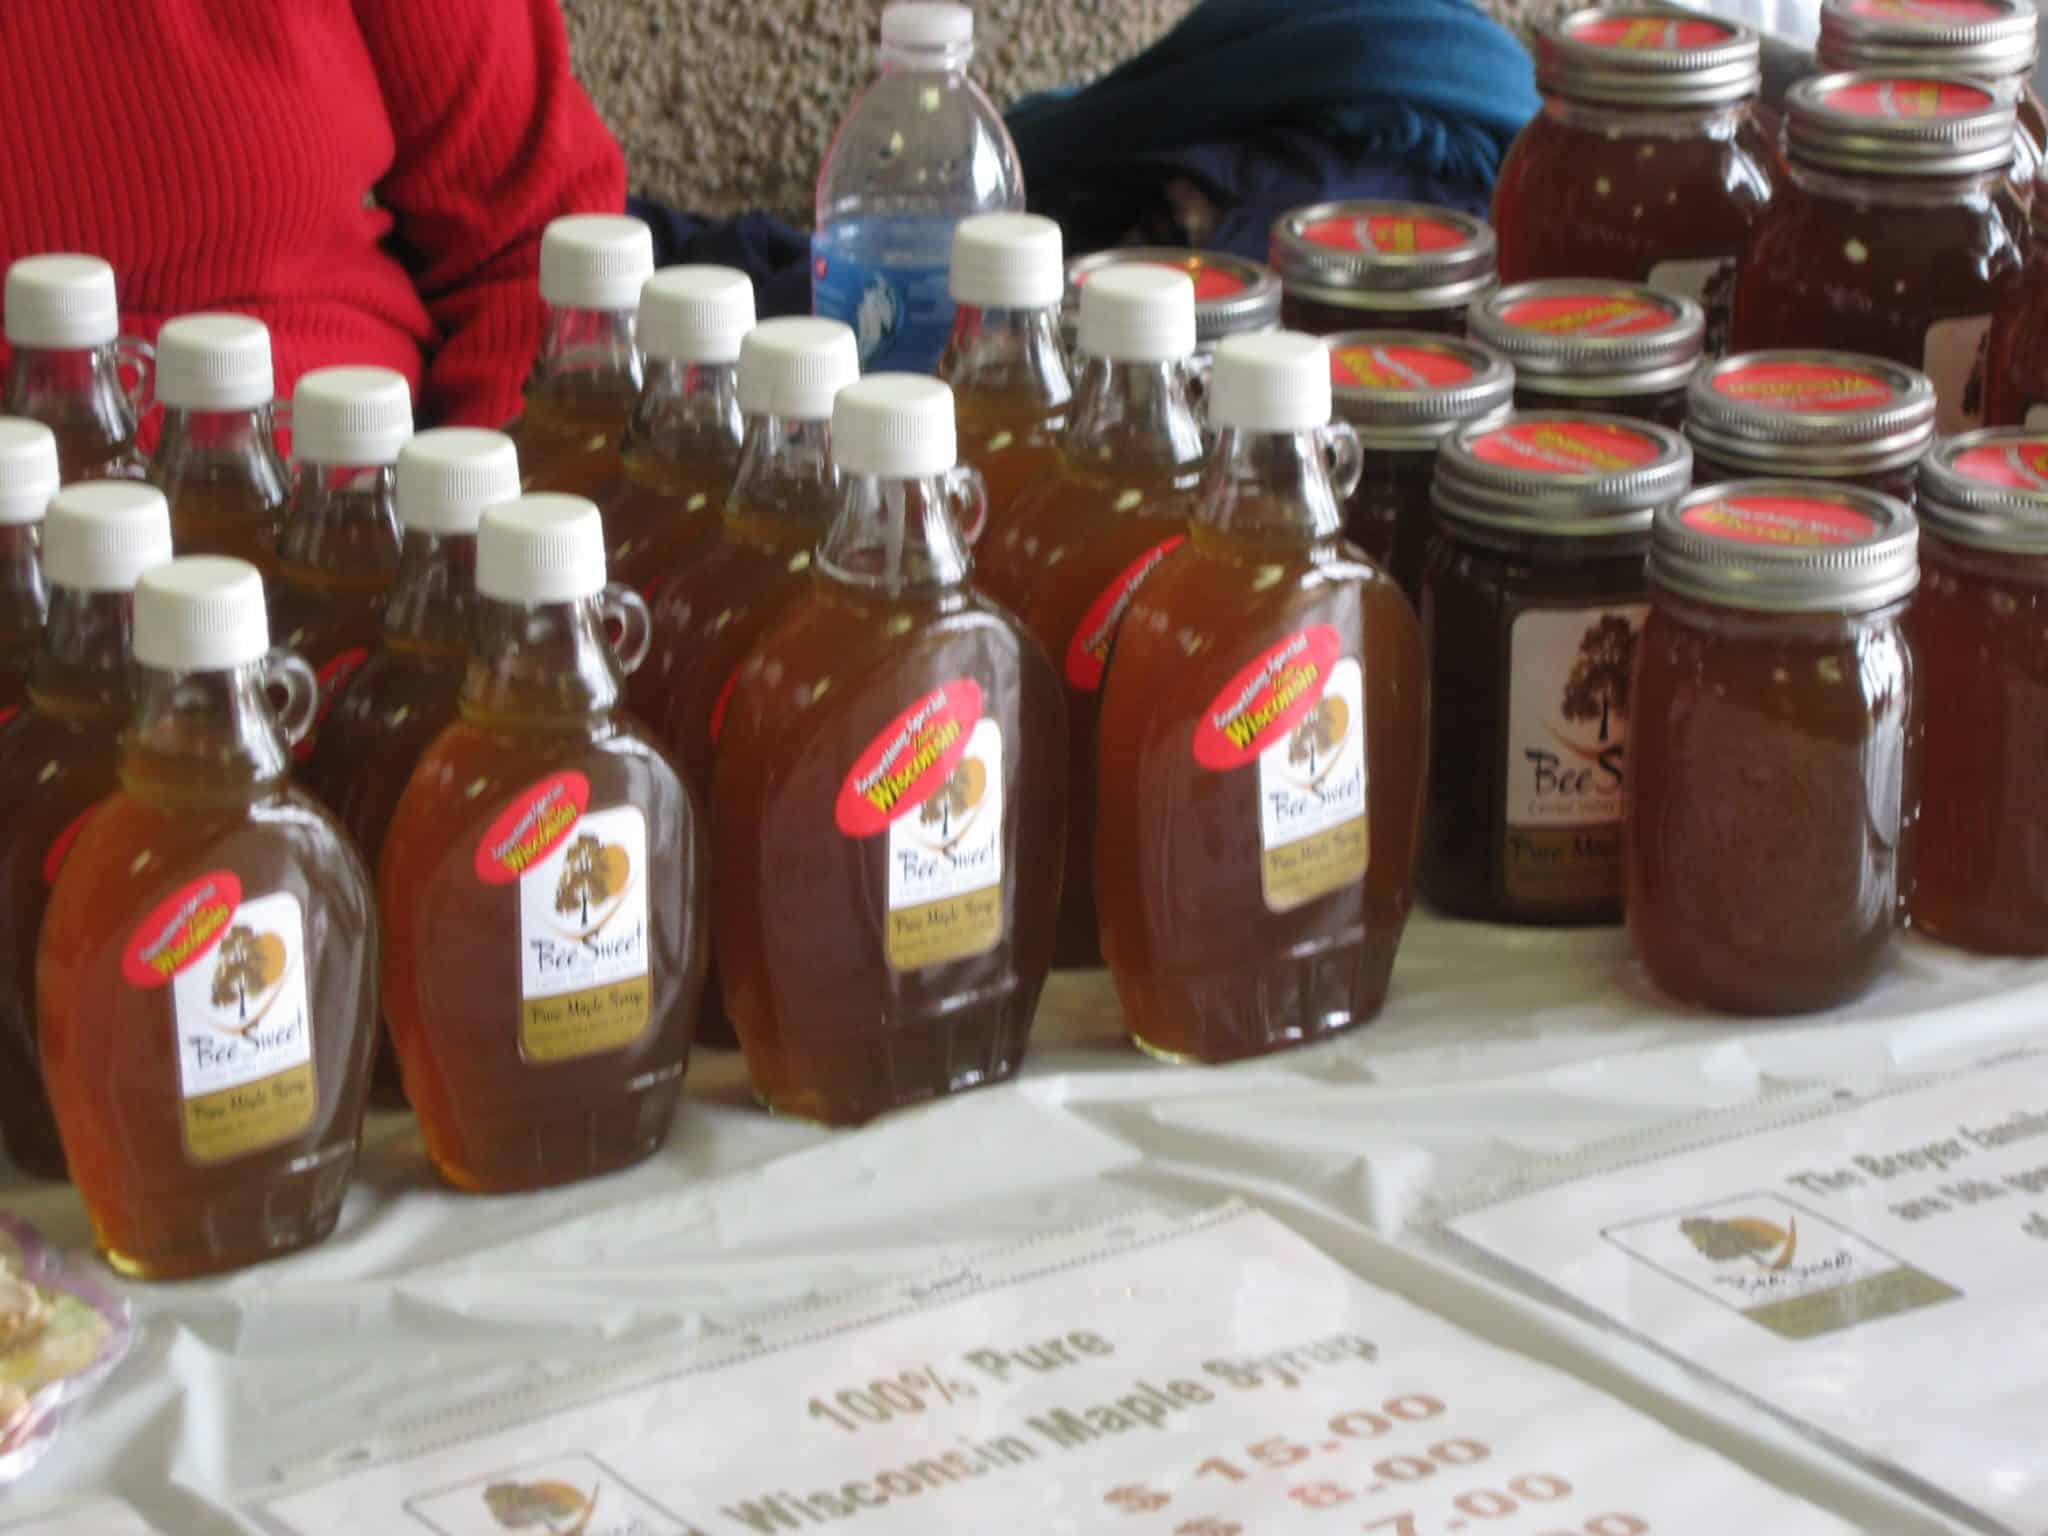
<point>758,565</point>
<point>890,791</point>
<point>1115,504</point>
<point>217,461</point>
<point>586,381</point>
<point>405,694</point>
<point>544,881</point>
<point>28,479</point>
<point>682,444</point>
<point>63,325</point>
<point>207,972</point>
<point>1262,742</point>
<point>57,761</point>
<point>1004,359</point>
<point>339,549</point>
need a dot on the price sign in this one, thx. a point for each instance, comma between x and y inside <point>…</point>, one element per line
<point>1214,1378</point>
<point>1875,1271</point>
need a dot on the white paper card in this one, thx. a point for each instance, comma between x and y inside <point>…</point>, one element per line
<point>1213,1378</point>
<point>100,1517</point>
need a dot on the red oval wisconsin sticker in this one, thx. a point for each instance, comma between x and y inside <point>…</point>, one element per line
<point>531,827</point>
<point>904,766</point>
<point>1267,699</point>
<point>1088,651</point>
<point>181,930</point>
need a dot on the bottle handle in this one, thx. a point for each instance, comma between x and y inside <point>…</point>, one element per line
<point>134,355</point>
<point>627,625</point>
<point>967,491</point>
<point>1343,456</point>
<point>286,674</point>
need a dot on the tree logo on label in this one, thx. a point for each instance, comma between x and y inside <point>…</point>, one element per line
<point>1597,688</point>
<point>952,810</point>
<point>594,879</point>
<point>544,1509</point>
<point>248,969</point>
<point>1317,742</point>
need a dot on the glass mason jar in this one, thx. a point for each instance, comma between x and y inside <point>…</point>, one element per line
<point>1979,625</point>
<point>1403,266</point>
<point>1813,416</point>
<point>1233,296</point>
<point>1649,162</point>
<point>1577,344</point>
<point>1404,394</point>
<point>2016,373</point>
<point>1773,759</point>
<point>1532,603</point>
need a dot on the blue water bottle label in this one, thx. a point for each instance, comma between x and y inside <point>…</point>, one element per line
<point>902,314</point>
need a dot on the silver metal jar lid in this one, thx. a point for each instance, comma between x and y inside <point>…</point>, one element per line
<point>1409,389</point>
<point>1898,125</point>
<point>1561,474</point>
<point>1233,296</point>
<point>1787,546</point>
<point>1584,336</point>
<point>1648,56</point>
<point>1989,489</point>
<point>1385,255</point>
<point>1989,39</point>
<point>1810,413</point>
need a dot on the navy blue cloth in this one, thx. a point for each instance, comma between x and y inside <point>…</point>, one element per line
<point>773,252</point>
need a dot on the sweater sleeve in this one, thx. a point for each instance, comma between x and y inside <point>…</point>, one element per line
<point>495,137</point>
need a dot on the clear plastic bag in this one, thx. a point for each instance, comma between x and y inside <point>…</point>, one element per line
<point>62,1334</point>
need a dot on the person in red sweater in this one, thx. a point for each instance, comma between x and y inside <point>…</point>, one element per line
<point>369,177</point>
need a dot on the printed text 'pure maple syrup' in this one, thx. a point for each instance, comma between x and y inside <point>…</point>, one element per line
<point>207,973</point>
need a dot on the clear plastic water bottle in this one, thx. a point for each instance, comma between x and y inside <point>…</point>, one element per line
<point>921,150</point>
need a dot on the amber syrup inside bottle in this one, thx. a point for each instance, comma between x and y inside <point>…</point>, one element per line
<point>339,549</point>
<point>757,566</point>
<point>217,462</point>
<point>405,694</point>
<point>57,761</point>
<point>587,379</point>
<point>28,479</point>
<point>890,792</point>
<point>63,324</point>
<point>207,972</point>
<point>544,882</point>
<point>1114,505</point>
<point>1262,742</point>
<point>1004,359</point>
<point>682,443</point>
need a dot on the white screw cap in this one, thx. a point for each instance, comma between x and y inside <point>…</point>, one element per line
<point>450,476</point>
<point>1138,314</point>
<point>695,314</point>
<point>61,301</point>
<point>28,470</point>
<point>214,363</point>
<point>795,368</point>
<point>350,416</point>
<point>541,549</point>
<point>595,261</point>
<point>896,425</point>
<point>922,24</point>
<point>103,534</point>
<point>1275,382</point>
<point>1007,261</point>
<point>202,613</point>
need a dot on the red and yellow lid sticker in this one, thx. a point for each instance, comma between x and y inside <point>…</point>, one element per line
<point>531,827</point>
<point>1804,387</point>
<point>181,930</point>
<point>1929,13</point>
<point>1399,367</point>
<point>1567,447</point>
<point>1799,522</point>
<point>1266,699</point>
<point>1387,234</point>
<point>60,845</point>
<point>910,760</point>
<point>1088,651</point>
<point>1654,31</point>
<point>1211,281</point>
<point>1907,99</point>
<point>1595,312</point>
<point>2019,464</point>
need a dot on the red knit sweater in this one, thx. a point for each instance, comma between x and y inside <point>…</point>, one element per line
<point>369,178</point>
